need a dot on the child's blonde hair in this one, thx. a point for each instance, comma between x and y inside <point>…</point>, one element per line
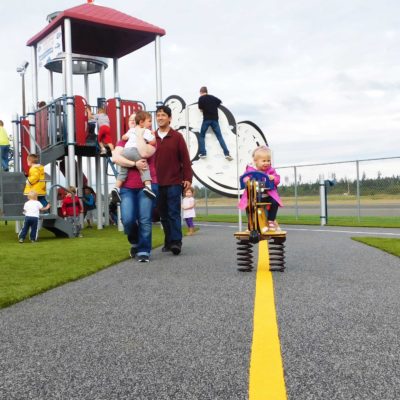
<point>101,110</point>
<point>261,149</point>
<point>32,195</point>
<point>72,189</point>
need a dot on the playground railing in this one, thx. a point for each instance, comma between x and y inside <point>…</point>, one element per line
<point>51,123</point>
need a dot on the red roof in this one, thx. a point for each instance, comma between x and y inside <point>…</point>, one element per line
<point>101,31</point>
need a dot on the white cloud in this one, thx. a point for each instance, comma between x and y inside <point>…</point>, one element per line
<point>322,79</point>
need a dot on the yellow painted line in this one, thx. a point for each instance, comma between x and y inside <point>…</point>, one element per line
<point>266,381</point>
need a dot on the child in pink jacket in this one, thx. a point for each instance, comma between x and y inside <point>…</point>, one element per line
<point>262,163</point>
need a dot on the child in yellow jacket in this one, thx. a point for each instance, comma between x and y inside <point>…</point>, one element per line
<point>36,179</point>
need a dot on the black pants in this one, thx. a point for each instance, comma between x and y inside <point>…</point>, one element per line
<point>273,208</point>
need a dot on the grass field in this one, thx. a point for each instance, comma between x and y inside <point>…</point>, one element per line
<point>32,268</point>
<point>391,246</point>
<point>378,199</point>
<point>373,222</point>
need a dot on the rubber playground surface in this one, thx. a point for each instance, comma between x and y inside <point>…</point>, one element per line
<point>192,327</point>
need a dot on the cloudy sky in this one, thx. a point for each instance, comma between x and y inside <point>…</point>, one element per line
<point>320,77</point>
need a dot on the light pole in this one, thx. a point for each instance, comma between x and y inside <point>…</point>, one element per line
<point>21,70</point>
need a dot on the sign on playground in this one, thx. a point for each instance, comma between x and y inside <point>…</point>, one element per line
<point>50,47</point>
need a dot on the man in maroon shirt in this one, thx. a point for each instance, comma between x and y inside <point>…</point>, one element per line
<point>174,173</point>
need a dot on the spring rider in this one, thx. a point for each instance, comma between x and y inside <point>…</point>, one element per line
<point>256,184</point>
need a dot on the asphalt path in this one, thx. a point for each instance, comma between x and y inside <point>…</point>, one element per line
<point>181,327</point>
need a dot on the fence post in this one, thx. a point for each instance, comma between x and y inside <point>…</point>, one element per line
<point>206,199</point>
<point>322,199</point>
<point>296,206</point>
<point>358,191</point>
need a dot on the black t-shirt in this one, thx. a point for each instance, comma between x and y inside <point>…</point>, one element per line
<point>209,105</point>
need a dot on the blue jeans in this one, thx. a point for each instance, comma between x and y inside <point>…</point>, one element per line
<point>169,208</point>
<point>43,201</point>
<point>136,215</point>
<point>217,130</point>
<point>4,150</point>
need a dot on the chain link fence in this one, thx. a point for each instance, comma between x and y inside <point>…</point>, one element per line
<point>360,188</point>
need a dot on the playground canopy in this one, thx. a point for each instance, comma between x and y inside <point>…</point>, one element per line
<point>102,31</point>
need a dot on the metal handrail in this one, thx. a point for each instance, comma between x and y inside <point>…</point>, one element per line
<point>34,140</point>
<point>62,187</point>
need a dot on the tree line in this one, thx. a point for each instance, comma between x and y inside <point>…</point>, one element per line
<point>344,186</point>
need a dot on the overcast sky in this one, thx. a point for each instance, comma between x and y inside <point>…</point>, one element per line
<point>320,77</point>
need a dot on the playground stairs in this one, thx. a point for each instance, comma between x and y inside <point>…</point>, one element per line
<point>12,201</point>
<point>52,153</point>
<point>58,226</point>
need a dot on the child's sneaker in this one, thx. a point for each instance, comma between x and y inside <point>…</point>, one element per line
<point>229,157</point>
<point>21,240</point>
<point>103,151</point>
<point>149,193</point>
<point>116,198</point>
<point>271,226</point>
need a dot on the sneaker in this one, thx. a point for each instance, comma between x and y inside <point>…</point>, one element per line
<point>132,252</point>
<point>175,248</point>
<point>271,226</point>
<point>149,193</point>
<point>103,151</point>
<point>203,155</point>
<point>21,240</point>
<point>33,241</point>
<point>116,198</point>
<point>228,157</point>
<point>143,258</point>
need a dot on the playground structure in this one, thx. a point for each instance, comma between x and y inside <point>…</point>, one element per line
<point>256,184</point>
<point>77,41</point>
<point>242,138</point>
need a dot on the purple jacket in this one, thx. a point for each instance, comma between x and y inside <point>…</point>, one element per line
<point>273,192</point>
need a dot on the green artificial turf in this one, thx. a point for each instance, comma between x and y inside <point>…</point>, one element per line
<point>373,222</point>
<point>389,245</point>
<point>31,268</point>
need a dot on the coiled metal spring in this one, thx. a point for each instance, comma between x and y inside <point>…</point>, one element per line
<point>244,255</point>
<point>276,255</point>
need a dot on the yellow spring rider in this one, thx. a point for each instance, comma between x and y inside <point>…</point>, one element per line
<point>257,184</point>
